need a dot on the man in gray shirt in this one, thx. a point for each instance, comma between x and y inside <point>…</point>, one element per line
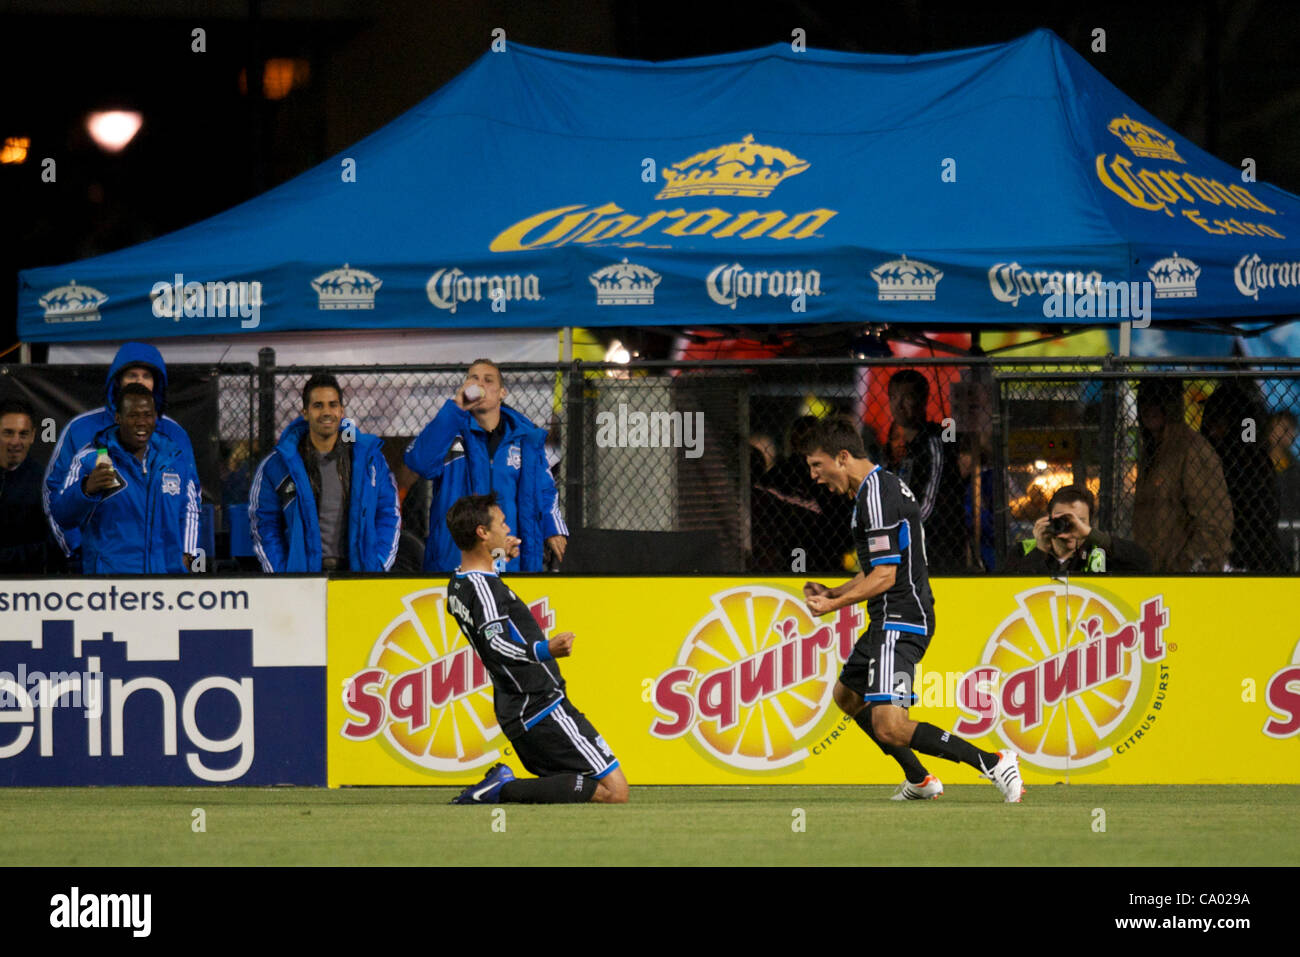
<point>324,499</point>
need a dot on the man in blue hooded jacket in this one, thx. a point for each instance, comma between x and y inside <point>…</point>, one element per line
<point>476,445</point>
<point>134,362</point>
<point>132,494</point>
<point>325,499</point>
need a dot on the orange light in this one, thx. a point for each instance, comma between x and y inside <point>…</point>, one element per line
<point>280,76</point>
<point>15,149</point>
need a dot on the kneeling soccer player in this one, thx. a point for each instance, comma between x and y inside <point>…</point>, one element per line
<point>875,687</point>
<point>553,739</point>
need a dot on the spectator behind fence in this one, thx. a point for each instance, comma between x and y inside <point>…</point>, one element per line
<point>969,451</point>
<point>1182,514</point>
<point>928,466</point>
<point>27,546</point>
<point>133,494</point>
<point>1065,541</point>
<point>324,499</point>
<point>1281,437</point>
<point>792,511</point>
<point>1234,422</point>
<point>475,445</point>
<point>134,362</point>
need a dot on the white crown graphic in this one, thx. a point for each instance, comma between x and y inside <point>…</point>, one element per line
<point>1175,277</point>
<point>906,279</point>
<point>346,288</point>
<point>72,303</point>
<point>625,284</point>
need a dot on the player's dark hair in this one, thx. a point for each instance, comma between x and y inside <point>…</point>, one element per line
<point>321,380</point>
<point>1070,494</point>
<point>16,406</point>
<point>832,436</point>
<point>467,515</point>
<point>487,362</point>
<point>913,379</point>
<point>136,388</point>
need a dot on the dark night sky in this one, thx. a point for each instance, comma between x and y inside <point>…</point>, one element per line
<point>1224,74</point>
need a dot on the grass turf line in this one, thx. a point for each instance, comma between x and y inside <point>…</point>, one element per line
<point>683,826</point>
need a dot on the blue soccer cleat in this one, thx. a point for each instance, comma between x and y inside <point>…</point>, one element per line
<point>486,791</point>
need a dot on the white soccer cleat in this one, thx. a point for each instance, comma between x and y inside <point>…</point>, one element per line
<point>927,790</point>
<point>1006,775</point>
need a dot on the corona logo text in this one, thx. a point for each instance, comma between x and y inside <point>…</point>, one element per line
<point>610,224</point>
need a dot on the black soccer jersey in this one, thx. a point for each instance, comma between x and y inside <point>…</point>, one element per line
<point>526,680</point>
<point>887,531</point>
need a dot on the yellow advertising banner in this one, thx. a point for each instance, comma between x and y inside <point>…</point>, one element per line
<point>726,680</point>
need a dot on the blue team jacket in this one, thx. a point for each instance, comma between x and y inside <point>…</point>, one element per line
<point>452,452</point>
<point>142,527</point>
<point>282,508</point>
<point>82,429</point>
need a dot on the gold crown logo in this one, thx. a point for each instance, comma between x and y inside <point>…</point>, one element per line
<point>1143,140</point>
<point>736,169</point>
<point>72,303</point>
<point>1175,277</point>
<point>906,279</point>
<point>625,284</point>
<point>346,288</point>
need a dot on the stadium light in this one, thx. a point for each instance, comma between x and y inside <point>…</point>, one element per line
<point>113,129</point>
<point>617,352</point>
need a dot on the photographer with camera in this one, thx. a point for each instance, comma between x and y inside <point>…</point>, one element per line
<point>1065,541</point>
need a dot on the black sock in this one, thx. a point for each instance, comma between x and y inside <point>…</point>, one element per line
<point>944,744</point>
<point>558,789</point>
<point>913,769</point>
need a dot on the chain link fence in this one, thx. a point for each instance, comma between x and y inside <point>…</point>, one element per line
<point>667,467</point>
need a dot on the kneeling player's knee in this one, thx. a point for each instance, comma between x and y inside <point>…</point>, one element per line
<point>612,792</point>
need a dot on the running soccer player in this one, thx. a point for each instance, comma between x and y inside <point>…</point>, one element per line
<point>875,687</point>
<point>552,738</point>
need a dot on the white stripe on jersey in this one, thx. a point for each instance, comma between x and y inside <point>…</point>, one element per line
<point>585,747</point>
<point>507,649</point>
<point>484,590</point>
<point>931,490</point>
<point>875,507</point>
<point>886,680</point>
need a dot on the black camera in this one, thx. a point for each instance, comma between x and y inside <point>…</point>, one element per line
<point>1061,525</point>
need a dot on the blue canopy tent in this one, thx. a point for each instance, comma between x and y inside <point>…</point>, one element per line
<point>544,189</point>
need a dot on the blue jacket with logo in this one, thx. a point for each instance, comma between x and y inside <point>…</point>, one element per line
<point>82,429</point>
<point>145,525</point>
<point>452,452</point>
<point>282,507</point>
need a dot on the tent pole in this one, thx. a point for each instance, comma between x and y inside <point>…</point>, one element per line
<point>1126,338</point>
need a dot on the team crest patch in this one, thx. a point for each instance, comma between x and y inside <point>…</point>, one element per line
<point>493,630</point>
<point>513,459</point>
<point>171,483</point>
<point>600,743</point>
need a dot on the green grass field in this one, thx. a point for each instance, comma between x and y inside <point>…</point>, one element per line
<point>1187,825</point>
